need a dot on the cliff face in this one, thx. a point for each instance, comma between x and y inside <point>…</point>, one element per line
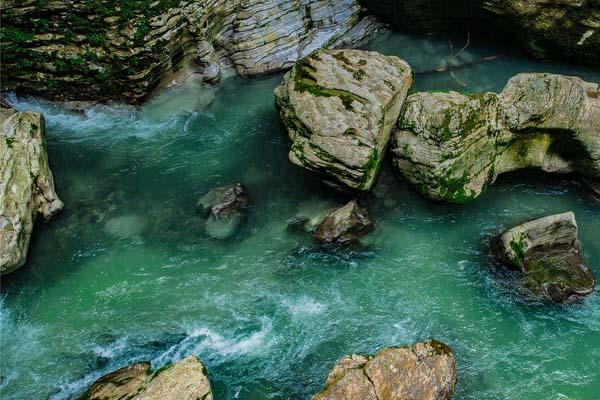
<point>120,50</point>
<point>567,30</point>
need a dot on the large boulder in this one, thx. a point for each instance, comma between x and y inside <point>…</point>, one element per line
<point>339,107</point>
<point>546,251</point>
<point>224,209</point>
<point>450,146</point>
<point>422,371</point>
<point>559,29</point>
<point>185,380</point>
<point>344,225</point>
<point>26,184</point>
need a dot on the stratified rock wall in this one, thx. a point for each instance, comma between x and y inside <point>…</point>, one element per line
<point>26,184</point>
<point>120,50</point>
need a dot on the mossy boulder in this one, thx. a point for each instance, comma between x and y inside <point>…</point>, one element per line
<point>451,146</point>
<point>339,107</point>
<point>26,184</point>
<point>184,380</point>
<point>546,251</point>
<point>424,371</point>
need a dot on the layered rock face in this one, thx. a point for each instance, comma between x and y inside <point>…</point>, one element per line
<point>565,29</point>
<point>26,184</point>
<point>185,380</point>
<point>121,50</point>
<point>424,371</point>
<point>450,146</point>
<point>339,107</point>
<point>546,251</point>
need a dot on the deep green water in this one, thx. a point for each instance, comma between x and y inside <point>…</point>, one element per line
<point>126,273</point>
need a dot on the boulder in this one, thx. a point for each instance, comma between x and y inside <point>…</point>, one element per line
<point>185,380</point>
<point>224,209</point>
<point>344,225</point>
<point>423,371</point>
<point>546,251</point>
<point>451,146</point>
<point>26,184</point>
<point>339,107</point>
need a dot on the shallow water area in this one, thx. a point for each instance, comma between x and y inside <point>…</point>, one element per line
<point>127,272</point>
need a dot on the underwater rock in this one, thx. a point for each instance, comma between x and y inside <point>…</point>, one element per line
<point>186,379</point>
<point>423,371</point>
<point>566,30</point>
<point>26,184</point>
<point>344,225</point>
<point>225,209</point>
<point>546,251</point>
<point>339,107</point>
<point>125,226</point>
<point>122,51</point>
<point>450,146</point>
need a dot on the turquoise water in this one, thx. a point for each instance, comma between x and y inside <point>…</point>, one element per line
<point>126,273</point>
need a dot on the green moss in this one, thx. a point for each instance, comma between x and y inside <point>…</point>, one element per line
<point>454,189</point>
<point>518,248</point>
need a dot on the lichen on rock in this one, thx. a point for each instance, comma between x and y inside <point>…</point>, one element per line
<point>339,107</point>
<point>451,146</point>
<point>26,184</point>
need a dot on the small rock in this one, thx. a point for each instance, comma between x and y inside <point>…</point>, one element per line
<point>546,251</point>
<point>344,225</point>
<point>185,380</point>
<point>225,209</point>
<point>424,371</point>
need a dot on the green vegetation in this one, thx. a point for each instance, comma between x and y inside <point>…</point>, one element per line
<point>518,248</point>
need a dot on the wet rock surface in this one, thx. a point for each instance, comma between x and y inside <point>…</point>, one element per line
<point>450,146</point>
<point>26,184</point>
<point>184,380</point>
<point>344,225</point>
<point>423,371</point>
<point>339,107</point>
<point>546,251</point>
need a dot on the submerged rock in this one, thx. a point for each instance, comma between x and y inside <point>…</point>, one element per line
<point>26,184</point>
<point>225,209</point>
<point>546,251</point>
<point>184,380</point>
<point>344,225</point>
<point>339,107</point>
<point>424,371</point>
<point>450,146</point>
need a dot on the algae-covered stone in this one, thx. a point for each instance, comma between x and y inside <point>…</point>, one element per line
<point>26,184</point>
<point>546,251</point>
<point>450,146</point>
<point>423,371</point>
<point>339,107</point>
<point>184,380</point>
<point>344,225</point>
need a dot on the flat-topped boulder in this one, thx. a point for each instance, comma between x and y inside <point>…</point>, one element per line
<point>546,251</point>
<point>26,184</point>
<point>184,380</point>
<point>423,371</point>
<point>339,107</point>
<point>344,225</point>
<point>451,146</point>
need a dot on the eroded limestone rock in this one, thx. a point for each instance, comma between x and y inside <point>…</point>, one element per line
<point>423,371</point>
<point>26,184</point>
<point>344,225</point>
<point>184,380</point>
<point>546,251</point>
<point>339,107</point>
<point>450,146</point>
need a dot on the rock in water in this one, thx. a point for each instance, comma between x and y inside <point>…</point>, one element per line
<point>185,380</point>
<point>339,107</point>
<point>224,208</point>
<point>450,146</point>
<point>26,184</point>
<point>423,371</point>
<point>344,225</point>
<point>546,251</point>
